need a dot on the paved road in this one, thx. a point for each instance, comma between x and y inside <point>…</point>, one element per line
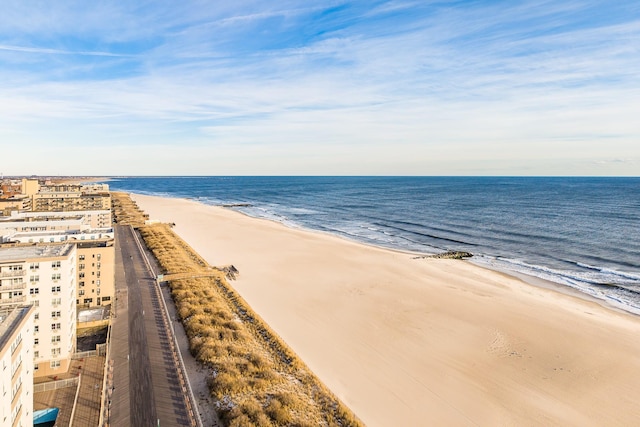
<point>147,387</point>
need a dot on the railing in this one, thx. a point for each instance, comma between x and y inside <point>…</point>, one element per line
<point>54,385</point>
<point>13,273</point>
<point>13,300</point>
<point>13,287</point>
<point>75,401</point>
<point>107,381</point>
<point>101,349</point>
<point>83,354</point>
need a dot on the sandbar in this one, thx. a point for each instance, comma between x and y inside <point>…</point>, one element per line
<point>422,342</point>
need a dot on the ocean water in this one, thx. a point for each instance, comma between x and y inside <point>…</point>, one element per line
<point>583,233</point>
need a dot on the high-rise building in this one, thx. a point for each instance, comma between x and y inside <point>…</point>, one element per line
<point>16,366</point>
<point>96,251</point>
<point>71,197</point>
<point>96,273</point>
<point>44,276</point>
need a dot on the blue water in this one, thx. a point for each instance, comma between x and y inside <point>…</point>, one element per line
<point>578,232</point>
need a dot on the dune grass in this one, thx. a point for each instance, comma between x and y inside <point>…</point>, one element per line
<point>125,211</point>
<point>253,376</point>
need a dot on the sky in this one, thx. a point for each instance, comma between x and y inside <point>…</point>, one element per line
<point>290,87</point>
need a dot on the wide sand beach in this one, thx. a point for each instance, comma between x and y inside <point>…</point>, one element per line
<point>422,342</point>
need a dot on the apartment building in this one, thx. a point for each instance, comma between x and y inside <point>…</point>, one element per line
<point>16,366</point>
<point>30,186</point>
<point>44,276</point>
<point>71,197</point>
<point>15,203</point>
<point>64,202</point>
<point>93,219</point>
<point>95,249</point>
<point>95,273</point>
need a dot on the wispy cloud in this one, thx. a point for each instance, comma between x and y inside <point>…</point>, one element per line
<point>387,86</point>
<point>58,51</point>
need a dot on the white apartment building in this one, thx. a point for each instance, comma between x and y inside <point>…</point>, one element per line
<point>44,276</point>
<point>93,219</point>
<point>12,236</point>
<point>16,366</point>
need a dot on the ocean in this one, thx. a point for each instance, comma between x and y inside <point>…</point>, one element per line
<point>583,233</point>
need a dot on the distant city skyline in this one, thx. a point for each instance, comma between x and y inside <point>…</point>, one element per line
<point>324,88</point>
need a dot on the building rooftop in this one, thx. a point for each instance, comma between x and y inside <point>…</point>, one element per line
<point>74,222</point>
<point>53,215</point>
<point>20,253</point>
<point>9,319</point>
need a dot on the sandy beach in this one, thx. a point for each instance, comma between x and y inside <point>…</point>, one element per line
<point>413,342</point>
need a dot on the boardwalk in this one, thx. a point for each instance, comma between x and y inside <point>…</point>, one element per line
<point>147,387</point>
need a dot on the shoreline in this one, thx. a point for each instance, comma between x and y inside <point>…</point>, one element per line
<point>529,279</point>
<point>401,341</point>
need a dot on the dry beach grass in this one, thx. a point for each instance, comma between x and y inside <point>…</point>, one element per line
<point>254,376</point>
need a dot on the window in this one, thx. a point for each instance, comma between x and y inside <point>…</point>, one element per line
<point>81,275</point>
<point>55,338</point>
<point>55,264</point>
<point>36,341</point>
<point>88,300</point>
<point>56,301</point>
<point>55,351</point>
<point>99,256</point>
<point>34,291</point>
<point>36,354</point>
<point>81,292</point>
<point>55,314</point>
<point>81,267</point>
<point>106,298</point>
<point>98,281</point>
<point>54,364</point>
<point>98,266</point>
<point>55,326</point>
<point>55,289</point>
<point>98,275</point>
<point>55,276</point>
<point>81,257</point>
<point>34,266</point>
<point>34,279</point>
<point>81,284</point>
<point>36,316</point>
<point>36,328</point>
<point>98,292</point>
<point>36,303</point>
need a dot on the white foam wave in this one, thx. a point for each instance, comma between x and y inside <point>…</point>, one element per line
<point>582,281</point>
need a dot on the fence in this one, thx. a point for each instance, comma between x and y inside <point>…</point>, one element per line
<point>54,385</point>
<point>83,354</point>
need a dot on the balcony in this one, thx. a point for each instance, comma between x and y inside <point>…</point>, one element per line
<point>13,287</point>
<point>13,300</point>
<point>12,273</point>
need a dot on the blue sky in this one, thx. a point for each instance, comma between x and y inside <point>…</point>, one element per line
<point>330,87</point>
